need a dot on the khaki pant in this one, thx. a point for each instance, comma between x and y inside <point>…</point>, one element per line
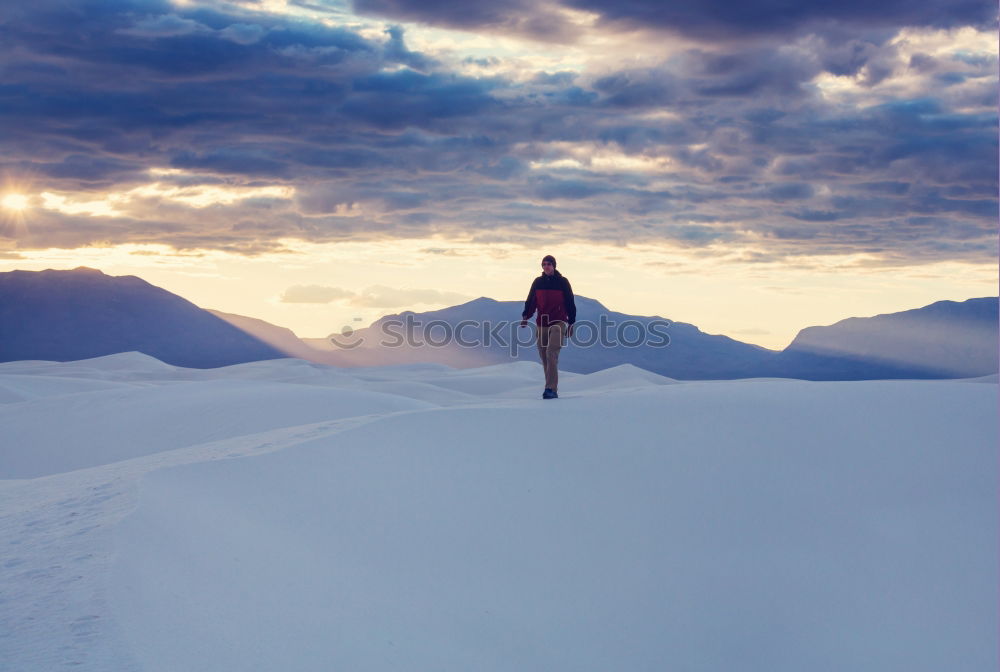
<point>549,342</point>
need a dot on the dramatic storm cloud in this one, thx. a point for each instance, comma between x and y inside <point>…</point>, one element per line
<point>707,19</point>
<point>761,130</point>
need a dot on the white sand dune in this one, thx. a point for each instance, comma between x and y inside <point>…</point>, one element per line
<point>68,432</point>
<point>623,376</point>
<point>984,379</point>
<point>120,366</point>
<point>285,515</point>
<point>16,387</point>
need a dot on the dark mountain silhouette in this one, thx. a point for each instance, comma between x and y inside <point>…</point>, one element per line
<point>946,339</point>
<point>83,313</point>
<point>494,337</point>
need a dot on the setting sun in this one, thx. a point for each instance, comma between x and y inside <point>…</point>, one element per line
<point>15,202</point>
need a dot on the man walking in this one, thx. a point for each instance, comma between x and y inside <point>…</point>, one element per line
<point>552,296</point>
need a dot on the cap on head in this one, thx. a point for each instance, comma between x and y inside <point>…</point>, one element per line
<point>549,257</point>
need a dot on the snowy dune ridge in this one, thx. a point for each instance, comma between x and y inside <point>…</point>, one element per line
<point>288,515</point>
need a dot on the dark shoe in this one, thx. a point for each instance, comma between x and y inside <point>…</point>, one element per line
<point>549,394</point>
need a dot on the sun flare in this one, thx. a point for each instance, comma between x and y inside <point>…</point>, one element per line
<point>16,202</point>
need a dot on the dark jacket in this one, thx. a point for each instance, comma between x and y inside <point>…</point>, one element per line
<point>552,297</point>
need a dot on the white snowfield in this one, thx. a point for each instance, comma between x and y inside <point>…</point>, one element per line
<point>288,516</point>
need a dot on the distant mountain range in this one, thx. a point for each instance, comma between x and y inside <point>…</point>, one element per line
<point>66,315</point>
<point>691,354</point>
<point>946,339</point>
<point>83,313</point>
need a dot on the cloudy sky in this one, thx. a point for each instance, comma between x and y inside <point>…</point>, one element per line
<point>751,166</point>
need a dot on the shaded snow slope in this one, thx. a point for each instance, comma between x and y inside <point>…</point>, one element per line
<point>425,518</point>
